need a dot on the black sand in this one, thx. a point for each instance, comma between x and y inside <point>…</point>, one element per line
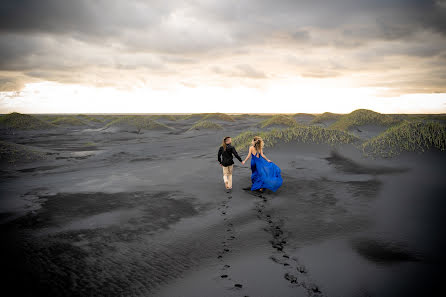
<point>124,214</point>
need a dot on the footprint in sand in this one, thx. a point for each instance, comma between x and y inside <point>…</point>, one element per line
<point>295,272</point>
<point>225,246</point>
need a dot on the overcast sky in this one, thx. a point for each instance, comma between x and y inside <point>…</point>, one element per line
<point>222,56</point>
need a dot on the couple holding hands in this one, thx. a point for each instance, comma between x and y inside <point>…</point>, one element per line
<point>265,174</point>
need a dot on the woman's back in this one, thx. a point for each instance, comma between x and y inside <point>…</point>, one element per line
<point>255,152</point>
<point>264,174</point>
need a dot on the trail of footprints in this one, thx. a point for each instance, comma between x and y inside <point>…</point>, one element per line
<point>295,272</point>
<point>230,236</point>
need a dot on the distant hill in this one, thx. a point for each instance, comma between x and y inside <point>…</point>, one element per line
<point>326,119</point>
<point>208,125</point>
<point>219,116</point>
<point>19,121</point>
<point>279,120</point>
<point>136,123</point>
<point>361,117</point>
<point>69,121</point>
<point>13,152</point>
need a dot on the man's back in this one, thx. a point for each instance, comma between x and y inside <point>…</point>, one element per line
<point>225,156</point>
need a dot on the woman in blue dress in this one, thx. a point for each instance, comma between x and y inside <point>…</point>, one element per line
<point>265,174</point>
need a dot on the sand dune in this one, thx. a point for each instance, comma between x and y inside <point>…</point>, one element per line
<point>117,213</point>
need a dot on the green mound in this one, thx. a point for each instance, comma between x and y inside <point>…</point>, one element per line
<point>90,118</point>
<point>415,136</point>
<point>302,114</point>
<point>326,117</point>
<point>432,117</point>
<point>364,117</point>
<point>169,117</point>
<point>306,134</point>
<point>279,120</point>
<point>139,122</point>
<point>69,120</point>
<point>17,120</point>
<point>206,125</point>
<point>13,152</point>
<point>219,116</point>
<point>242,116</point>
<point>193,116</point>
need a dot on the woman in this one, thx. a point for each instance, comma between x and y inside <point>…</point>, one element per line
<point>265,174</point>
<point>226,151</point>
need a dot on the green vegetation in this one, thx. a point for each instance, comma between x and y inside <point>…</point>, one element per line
<point>279,120</point>
<point>193,116</point>
<point>90,118</point>
<point>218,116</point>
<point>169,117</point>
<point>407,136</point>
<point>140,122</point>
<point>206,125</point>
<point>364,117</point>
<point>209,116</point>
<point>12,152</point>
<point>310,134</point>
<point>242,116</point>
<point>326,117</point>
<point>68,120</point>
<point>299,114</point>
<point>17,120</point>
<point>434,117</point>
<point>45,118</point>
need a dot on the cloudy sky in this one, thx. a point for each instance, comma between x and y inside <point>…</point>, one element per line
<point>222,56</point>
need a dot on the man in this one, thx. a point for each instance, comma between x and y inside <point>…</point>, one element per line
<point>226,161</point>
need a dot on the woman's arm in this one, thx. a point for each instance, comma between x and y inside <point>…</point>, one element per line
<point>248,156</point>
<point>261,153</point>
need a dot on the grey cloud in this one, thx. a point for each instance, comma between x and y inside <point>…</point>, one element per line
<point>249,71</point>
<point>102,17</point>
<point>241,70</point>
<point>240,21</point>
<point>136,34</point>
<point>301,35</point>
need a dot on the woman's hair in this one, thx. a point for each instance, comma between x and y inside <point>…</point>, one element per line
<point>224,142</point>
<point>258,143</point>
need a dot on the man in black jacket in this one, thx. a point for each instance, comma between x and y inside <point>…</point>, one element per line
<point>225,159</point>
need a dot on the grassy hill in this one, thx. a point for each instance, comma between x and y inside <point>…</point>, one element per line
<point>90,118</point>
<point>20,121</point>
<point>414,136</point>
<point>326,118</point>
<point>219,116</point>
<point>169,117</point>
<point>69,121</point>
<point>138,122</point>
<point>306,134</point>
<point>209,125</point>
<point>279,120</point>
<point>13,152</point>
<point>361,117</point>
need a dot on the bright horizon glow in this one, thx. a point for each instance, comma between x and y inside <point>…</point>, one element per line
<point>289,95</point>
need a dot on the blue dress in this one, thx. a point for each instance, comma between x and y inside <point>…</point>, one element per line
<point>264,174</point>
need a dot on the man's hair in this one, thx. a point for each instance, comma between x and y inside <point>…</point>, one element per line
<point>224,142</point>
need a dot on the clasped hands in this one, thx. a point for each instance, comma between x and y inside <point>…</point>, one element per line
<point>243,162</point>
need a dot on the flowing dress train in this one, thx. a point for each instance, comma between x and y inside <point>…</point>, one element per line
<point>264,174</point>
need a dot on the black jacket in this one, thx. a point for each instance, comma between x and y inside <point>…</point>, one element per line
<point>227,155</point>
